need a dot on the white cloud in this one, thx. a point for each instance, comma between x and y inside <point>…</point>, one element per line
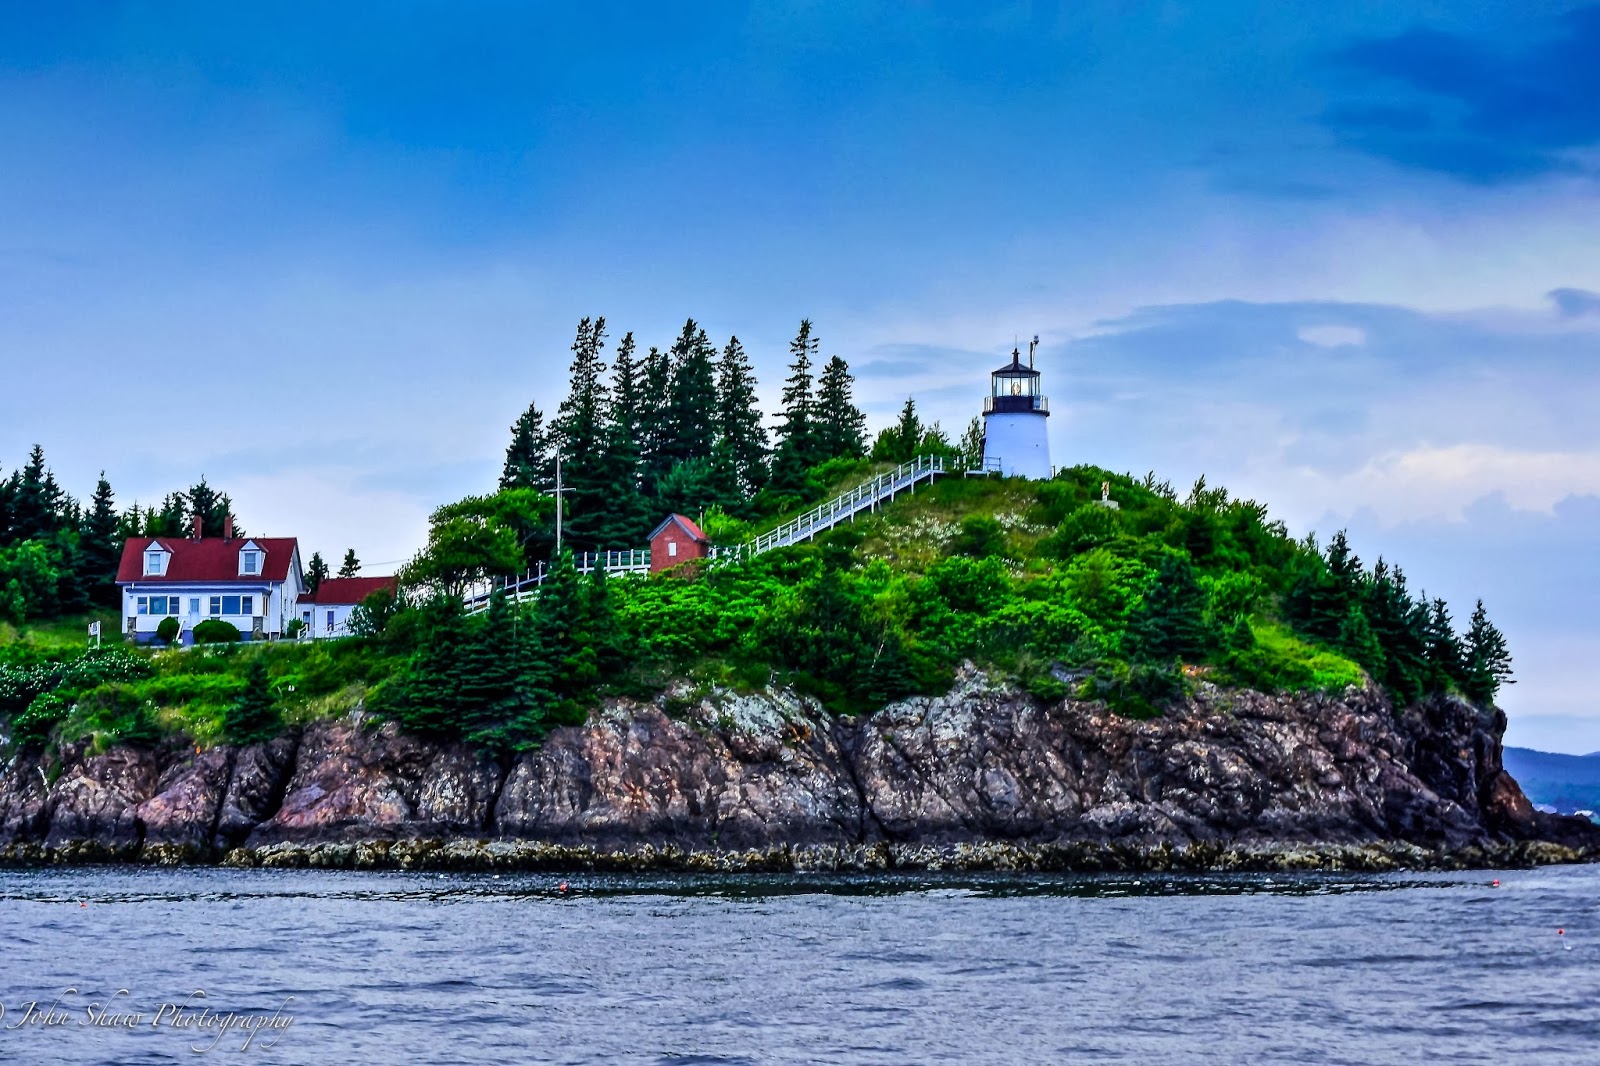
<point>1431,482</point>
<point>1331,336</point>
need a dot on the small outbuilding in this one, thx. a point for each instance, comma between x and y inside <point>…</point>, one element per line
<point>675,541</point>
<point>326,612</point>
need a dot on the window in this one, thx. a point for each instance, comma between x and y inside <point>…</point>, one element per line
<point>152,562</point>
<point>157,605</point>
<point>672,548</point>
<point>247,605</point>
<point>249,562</point>
<point>216,605</point>
<point>330,621</point>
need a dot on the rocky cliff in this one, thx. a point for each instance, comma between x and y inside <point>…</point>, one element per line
<point>983,776</point>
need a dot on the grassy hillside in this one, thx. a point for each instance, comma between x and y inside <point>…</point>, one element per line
<point>1037,581</point>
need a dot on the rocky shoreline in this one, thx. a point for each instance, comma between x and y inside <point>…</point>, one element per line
<point>982,778</point>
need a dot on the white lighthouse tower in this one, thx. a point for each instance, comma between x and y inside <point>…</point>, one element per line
<point>1015,414</point>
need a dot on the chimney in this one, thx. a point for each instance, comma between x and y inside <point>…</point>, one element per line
<point>227,528</point>
<point>198,527</point>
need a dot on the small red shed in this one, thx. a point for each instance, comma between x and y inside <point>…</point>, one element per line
<point>676,540</point>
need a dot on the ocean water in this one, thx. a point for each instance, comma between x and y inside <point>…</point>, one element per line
<point>337,967</point>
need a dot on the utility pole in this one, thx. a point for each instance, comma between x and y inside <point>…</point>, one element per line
<point>557,494</point>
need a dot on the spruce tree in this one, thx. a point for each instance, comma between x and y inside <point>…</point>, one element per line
<point>36,500</point>
<point>626,514</point>
<point>899,442</point>
<point>796,450</point>
<point>316,573</point>
<point>1488,661</point>
<point>425,696</point>
<point>972,442</point>
<point>254,716</point>
<point>568,667</point>
<point>100,546</point>
<point>495,711</point>
<point>580,429</point>
<point>351,565</point>
<point>530,458</point>
<point>1359,642</point>
<point>1444,650</point>
<point>213,508</point>
<point>740,455</point>
<point>655,425</point>
<point>841,427</point>
<point>692,398</point>
<point>1171,622</point>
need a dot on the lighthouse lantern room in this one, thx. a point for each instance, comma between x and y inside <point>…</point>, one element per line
<point>1015,415</point>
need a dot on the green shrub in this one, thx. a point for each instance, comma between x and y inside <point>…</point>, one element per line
<point>167,631</point>
<point>216,631</point>
<point>115,714</point>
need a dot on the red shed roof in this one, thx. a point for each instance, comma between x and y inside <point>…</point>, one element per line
<point>207,559</point>
<point>688,527</point>
<point>343,590</point>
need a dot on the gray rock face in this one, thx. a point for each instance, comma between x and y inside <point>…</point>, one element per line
<point>980,774</point>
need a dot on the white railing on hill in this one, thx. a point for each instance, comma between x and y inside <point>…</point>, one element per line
<point>867,496</point>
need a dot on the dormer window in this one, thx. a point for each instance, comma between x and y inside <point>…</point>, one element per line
<point>250,562</point>
<point>155,561</point>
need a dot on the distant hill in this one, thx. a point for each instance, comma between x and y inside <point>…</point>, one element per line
<point>1566,782</point>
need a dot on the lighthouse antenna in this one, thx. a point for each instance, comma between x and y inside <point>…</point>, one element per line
<point>1033,344</point>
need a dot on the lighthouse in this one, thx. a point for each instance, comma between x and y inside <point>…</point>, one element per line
<point>1015,414</point>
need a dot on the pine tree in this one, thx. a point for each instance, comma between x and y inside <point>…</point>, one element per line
<point>899,442</point>
<point>1359,642</point>
<point>972,442</point>
<point>254,716</point>
<point>1444,650</point>
<point>495,711</point>
<point>1171,622</point>
<point>171,519</point>
<point>351,565</point>
<point>796,450</point>
<point>580,429</point>
<point>100,546</point>
<point>568,667</point>
<point>425,696</point>
<point>841,427</point>
<point>626,515</point>
<point>530,459</point>
<point>740,455</point>
<point>213,508</point>
<point>692,399</point>
<point>316,573</point>
<point>655,426</point>
<point>36,500</point>
<point>1488,661</point>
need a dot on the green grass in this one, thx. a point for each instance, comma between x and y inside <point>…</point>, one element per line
<point>58,635</point>
<point>1284,662</point>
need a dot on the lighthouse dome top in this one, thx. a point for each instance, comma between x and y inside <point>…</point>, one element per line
<point>1015,367</point>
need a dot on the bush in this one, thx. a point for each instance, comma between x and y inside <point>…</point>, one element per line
<point>253,717</point>
<point>980,537</point>
<point>216,631</point>
<point>292,630</point>
<point>168,630</point>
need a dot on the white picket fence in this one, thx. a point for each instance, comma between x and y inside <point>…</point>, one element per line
<point>867,496</point>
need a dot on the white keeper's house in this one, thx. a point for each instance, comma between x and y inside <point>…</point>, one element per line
<point>326,612</point>
<point>255,583</point>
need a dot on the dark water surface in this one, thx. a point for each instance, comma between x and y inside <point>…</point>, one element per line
<point>451,968</point>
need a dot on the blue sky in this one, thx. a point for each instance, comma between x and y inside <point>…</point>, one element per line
<point>1339,258</point>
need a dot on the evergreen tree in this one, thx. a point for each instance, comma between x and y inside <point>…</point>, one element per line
<point>1444,650</point>
<point>316,573</point>
<point>796,451</point>
<point>627,512</point>
<point>36,500</point>
<point>351,565</point>
<point>655,426</point>
<point>1487,659</point>
<point>1170,623</point>
<point>254,716</point>
<point>171,519</point>
<point>580,429</point>
<point>530,459</point>
<point>213,508</point>
<point>899,442</point>
<point>841,427</point>
<point>567,667</point>
<point>692,399</point>
<point>972,442</point>
<point>495,710</point>
<point>740,454</point>
<point>131,524</point>
<point>99,543</point>
<point>1359,642</point>
<point>425,696</point>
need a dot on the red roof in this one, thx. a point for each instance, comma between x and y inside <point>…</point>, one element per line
<point>208,559</point>
<point>343,590</point>
<point>688,527</point>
